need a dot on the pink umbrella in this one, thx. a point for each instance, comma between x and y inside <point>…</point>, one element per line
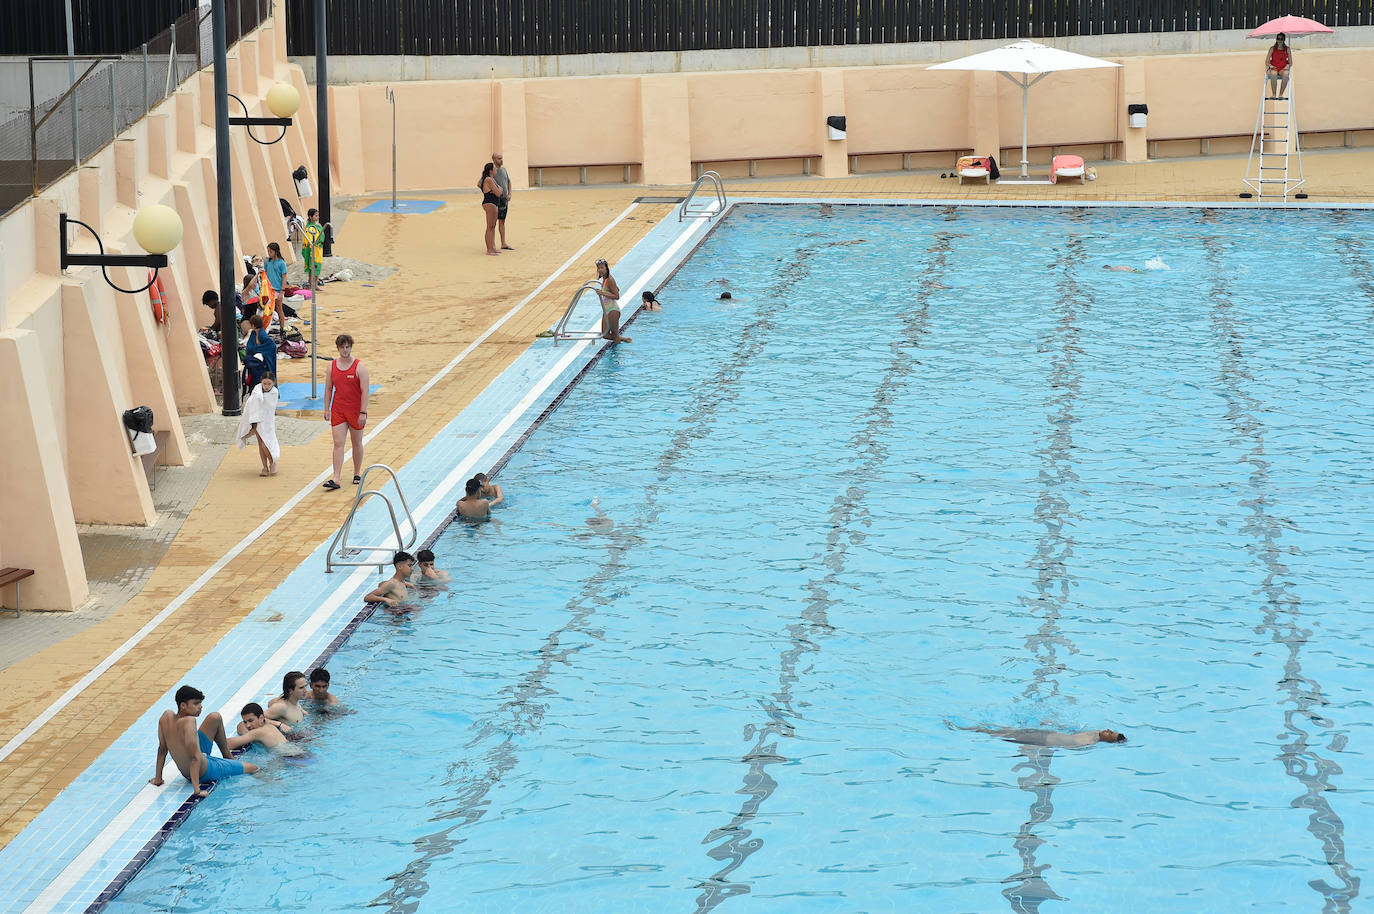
<point>1292,26</point>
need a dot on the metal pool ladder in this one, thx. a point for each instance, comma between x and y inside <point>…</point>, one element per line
<point>560,329</point>
<point>713,208</point>
<point>342,553</point>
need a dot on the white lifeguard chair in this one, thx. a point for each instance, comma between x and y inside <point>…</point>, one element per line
<point>1274,168</point>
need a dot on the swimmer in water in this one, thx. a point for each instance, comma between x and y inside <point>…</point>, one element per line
<point>649,301</point>
<point>490,490</point>
<point>428,574</point>
<point>1120,268</point>
<point>1053,739</point>
<point>257,727</point>
<point>286,707</point>
<point>392,591</point>
<point>472,506</point>
<point>319,688</point>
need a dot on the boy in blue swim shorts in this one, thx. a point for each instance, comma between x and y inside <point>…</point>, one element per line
<point>189,746</point>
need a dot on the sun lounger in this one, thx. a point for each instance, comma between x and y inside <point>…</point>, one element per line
<point>1068,167</point>
<point>974,167</point>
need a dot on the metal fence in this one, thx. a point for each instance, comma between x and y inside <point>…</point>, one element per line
<point>98,26</point>
<point>536,27</point>
<point>57,112</point>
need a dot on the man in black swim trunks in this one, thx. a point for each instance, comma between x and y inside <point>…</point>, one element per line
<point>502,178</point>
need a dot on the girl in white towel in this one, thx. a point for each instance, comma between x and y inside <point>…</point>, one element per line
<point>259,420</point>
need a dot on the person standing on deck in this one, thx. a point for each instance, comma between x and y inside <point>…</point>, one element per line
<point>502,178</point>
<point>345,397</point>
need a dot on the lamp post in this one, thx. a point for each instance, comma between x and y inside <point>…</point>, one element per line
<point>322,124</point>
<point>157,229</point>
<point>282,101</point>
<point>228,321</point>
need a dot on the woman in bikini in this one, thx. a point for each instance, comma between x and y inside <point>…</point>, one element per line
<point>610,304</point>
<point>491,202</point>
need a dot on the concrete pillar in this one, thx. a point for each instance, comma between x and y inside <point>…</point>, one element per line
<point>268,200</point>
<point>159,148</point>
<point>252,237</point>
<point>665,130</point>
<point>37,527</point>
<point>105,479</point>
<point>300,139</point>
<point>186,121</point>
<point>47,241</point>
<point>835,153</point>
<point>191,390</point>
<point>512,132</point>
<point>1135,146</point>
<point>983,116</point>
<point>345,152</point>
<point>126,172</point>
<point>198,262</point>
<point>248,70</point>
<point>93,198</point>
<point>206,96</point>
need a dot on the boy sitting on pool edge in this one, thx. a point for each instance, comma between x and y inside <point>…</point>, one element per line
<point>189,746</point>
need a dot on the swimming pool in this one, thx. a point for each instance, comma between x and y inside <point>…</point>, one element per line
<point>928,468</point>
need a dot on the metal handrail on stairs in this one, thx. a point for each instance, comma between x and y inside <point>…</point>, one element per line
<point>712,209</point>
<point>341,552</point>
<point>560,329</point>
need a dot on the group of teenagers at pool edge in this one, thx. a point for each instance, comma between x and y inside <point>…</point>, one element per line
<point>278,726</point>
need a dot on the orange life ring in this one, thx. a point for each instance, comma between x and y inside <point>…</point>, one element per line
<point>158,295</point>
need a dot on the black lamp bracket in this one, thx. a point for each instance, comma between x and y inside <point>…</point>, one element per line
<point>251,122</point>
<point>153,262</point>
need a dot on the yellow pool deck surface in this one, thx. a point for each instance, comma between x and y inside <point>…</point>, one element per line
<point>446,293</point>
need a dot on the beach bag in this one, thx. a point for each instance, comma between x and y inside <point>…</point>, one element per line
<point>294,348</point>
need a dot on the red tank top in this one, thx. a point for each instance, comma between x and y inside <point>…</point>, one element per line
<point>348,393</point>
<point>1278,58</point>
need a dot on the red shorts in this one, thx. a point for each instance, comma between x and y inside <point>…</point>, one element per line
<point>354,420</point>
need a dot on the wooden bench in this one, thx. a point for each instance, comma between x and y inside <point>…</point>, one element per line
<point>582,169</point>
<point>1347,135</point>
<point>936,157</point>
<point>13,576</point>
<point>701,167</point>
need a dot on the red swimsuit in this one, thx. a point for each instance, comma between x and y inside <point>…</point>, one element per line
<point>1279,58</point>
<point>347,398</point>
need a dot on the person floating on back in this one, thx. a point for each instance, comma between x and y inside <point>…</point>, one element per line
<point>392,591</point>
<point>1053,739</point>
<point>189,747</point>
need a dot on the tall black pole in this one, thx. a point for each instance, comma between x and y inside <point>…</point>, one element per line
<point>228,322</point>
<point>322,124</point>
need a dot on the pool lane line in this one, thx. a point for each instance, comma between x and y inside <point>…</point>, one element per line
<point>91,855</point>
<point>734,843</point>
<point>1281,605</point>
<point>134,640</point>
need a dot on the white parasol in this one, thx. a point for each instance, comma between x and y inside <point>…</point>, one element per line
<point>1019,63</point>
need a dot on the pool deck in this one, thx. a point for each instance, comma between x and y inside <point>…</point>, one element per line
<point>443,271</point>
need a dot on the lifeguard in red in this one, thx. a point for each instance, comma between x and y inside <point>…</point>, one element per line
<point>1278,66</point>
<point>345,397</point>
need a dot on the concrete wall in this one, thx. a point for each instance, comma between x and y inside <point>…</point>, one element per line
<point>74,353</point>
<point>666,122</point>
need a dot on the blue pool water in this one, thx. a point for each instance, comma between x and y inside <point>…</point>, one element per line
<point>929,468</point>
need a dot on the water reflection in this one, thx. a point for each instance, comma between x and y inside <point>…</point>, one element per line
<point>734,842</point>
<point>1028,889</point>
<point>1281,606</point>
<point>1053,581</point>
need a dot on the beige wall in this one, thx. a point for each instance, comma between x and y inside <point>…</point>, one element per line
<point>668,121</point>
<point>75,353</point>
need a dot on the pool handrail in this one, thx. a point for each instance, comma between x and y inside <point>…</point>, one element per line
<point>340,541</point>
<point>712,209</point>
<point>560,329</point>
